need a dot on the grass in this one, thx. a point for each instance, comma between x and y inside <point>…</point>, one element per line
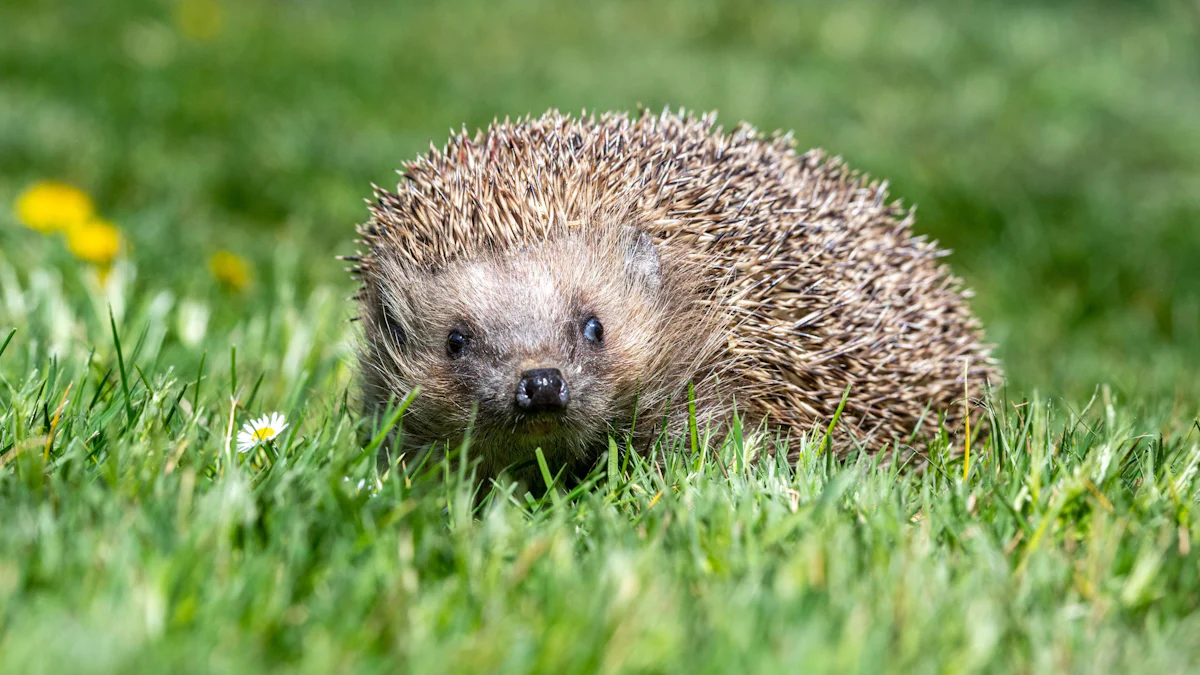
<point>1052,145</point>
<point>136,540</point>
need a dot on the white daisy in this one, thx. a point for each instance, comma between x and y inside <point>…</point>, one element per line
<point>259,431</point>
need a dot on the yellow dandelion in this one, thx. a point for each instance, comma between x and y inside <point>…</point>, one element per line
<point>231,270</point>
<point>96,241</point>
<point>199,20</point>
<point>50,206</point>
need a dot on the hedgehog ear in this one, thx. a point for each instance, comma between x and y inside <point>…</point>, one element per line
<point>641,258</point>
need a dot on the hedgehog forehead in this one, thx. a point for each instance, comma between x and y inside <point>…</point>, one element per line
<point>550,282</point>
<point>509,292</point>
<point>510,287</point>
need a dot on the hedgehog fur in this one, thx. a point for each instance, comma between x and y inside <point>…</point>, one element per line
<point>790,280</point>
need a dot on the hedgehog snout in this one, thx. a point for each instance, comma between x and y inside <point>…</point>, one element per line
<point>542,390</point>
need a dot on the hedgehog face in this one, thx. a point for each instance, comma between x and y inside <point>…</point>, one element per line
<point>539,347</point>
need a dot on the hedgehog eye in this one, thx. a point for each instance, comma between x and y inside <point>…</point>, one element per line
<point>593,330</point>
<point>455,343</point>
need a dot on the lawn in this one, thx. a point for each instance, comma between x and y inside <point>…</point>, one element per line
<point>1054,146</point>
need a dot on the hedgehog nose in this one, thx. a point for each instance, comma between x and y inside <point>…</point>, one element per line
<point>542,389</point>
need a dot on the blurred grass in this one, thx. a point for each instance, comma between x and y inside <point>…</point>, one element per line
<point>1054,146</point>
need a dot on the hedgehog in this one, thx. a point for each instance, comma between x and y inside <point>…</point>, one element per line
<point>556,282</point>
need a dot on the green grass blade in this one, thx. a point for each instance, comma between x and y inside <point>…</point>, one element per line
<point>121,368</point>
<point>390,423</point>
<point>233,372</point>
<point>196,388</point>
<point>612,463</point>
<point>545,469</point>
<point>4,347</point>
<point>693,432</point>
<point>826,440</point>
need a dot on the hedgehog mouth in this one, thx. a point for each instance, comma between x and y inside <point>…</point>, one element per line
<point>540,425</point>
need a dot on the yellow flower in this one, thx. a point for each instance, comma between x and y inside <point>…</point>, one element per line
<point>229,269</point>
<point>199,20</point>
<point>96,241</point>
<point>49,206</point>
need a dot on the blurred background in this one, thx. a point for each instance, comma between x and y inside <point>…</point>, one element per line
<point>228,145</point>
